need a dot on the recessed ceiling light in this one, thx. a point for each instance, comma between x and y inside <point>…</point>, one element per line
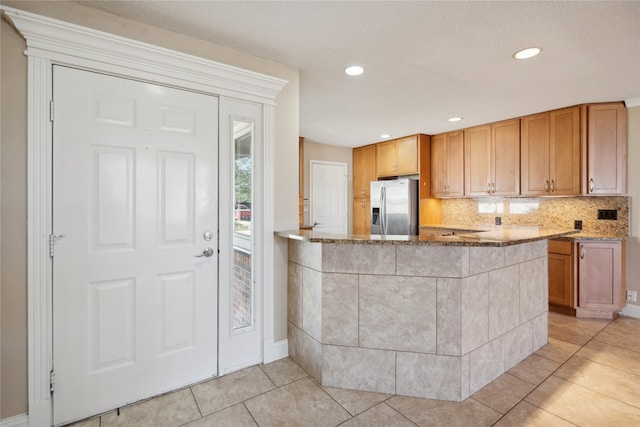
<point>354,70</point>
<point>529,52</point>
<point>454,119</point>
<point>385,135</point>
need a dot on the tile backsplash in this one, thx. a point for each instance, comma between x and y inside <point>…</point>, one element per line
<point>555,212</point>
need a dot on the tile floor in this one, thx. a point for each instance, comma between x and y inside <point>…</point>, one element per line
<point>587,375</point>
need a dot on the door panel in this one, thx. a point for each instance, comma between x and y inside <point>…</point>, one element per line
<point>329,197</point>
<point>135,187</point>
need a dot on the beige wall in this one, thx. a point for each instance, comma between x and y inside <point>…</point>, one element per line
<point>330,153</point>
<point>633,190</point>
<point>13,285</point>
<point>13,224</point>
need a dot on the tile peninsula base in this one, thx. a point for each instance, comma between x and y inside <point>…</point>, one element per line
<point>437,322</point>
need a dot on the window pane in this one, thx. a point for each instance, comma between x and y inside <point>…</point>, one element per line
<point>242,286</point>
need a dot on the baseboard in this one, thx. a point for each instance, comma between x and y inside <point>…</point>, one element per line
<point>631,310</point>
<point>276,351</point>
<point>17,421</point>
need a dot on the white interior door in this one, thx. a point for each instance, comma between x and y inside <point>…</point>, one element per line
<point>134,197</point>
<point>328,199</point>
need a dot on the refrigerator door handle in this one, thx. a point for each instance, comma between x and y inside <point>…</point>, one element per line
<point>383,210</point>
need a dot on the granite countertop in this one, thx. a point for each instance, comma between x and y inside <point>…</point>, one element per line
<point>593,236</point>
<point>440,235</point>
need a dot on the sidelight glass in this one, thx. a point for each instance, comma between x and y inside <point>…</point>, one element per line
<point>242,290</point>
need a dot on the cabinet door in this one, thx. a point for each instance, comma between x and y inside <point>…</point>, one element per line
<point>534,145</point>
<point>606,149</point>
<point>564,154</point>
<point>386,158</point>
<point>455,164</point>
<point>364,170</point>
<point>361,223</point>
<point>599,275</point>
<point>561,280</point>
<point>477,161</point>
<point>438,165</point>
<point>407,152</point>
<point>425,166</point>
<point>505,165</point>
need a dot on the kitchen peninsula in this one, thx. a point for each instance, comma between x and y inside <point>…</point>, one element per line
<point>438,315</point>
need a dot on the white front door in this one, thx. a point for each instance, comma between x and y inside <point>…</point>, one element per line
<point>134,200</point>
<point>328,201</point>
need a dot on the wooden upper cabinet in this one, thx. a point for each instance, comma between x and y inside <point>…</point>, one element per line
<point>364,170</point>
<point>425,166</point>
<point>397,157</point>
<point>447,165</point>
<point>492,159</point>
<point>606,149</point>
<point>550,153</point>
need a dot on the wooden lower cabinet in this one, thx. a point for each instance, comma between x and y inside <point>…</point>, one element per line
<point>361,222</point>
<point>562,285</point>
<point>587,278</point>
<point>601,278</point>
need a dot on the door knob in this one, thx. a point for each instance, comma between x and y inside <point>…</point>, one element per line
<point>205,253</point>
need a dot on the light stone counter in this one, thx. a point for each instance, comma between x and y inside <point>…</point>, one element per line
<point>440,235</point>
<point>417,317</point>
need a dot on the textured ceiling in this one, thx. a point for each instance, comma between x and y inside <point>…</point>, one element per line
<point>425,60</point>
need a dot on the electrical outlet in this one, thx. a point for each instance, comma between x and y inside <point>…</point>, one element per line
<point>498,220</point>
<point>577,224</point>
<point>609,214</point>
<point>632,296</point>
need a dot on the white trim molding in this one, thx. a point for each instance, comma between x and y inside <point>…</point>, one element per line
<point>632,102</point>
<point>631,310</point>
<point>21,420</point>
<point>49,42</point>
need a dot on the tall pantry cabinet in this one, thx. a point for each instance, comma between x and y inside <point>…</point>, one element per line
<point>364,171</point>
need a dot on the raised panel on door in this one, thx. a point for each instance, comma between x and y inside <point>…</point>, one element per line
<point>606,149</point>
<point>599,275</point>
<point>425,166</point>
<point>505,149</point>
<point>438,165</point>
<point>386,158</point>
<point>364,169</point>
<point>564,144</point>
<point>407,149</point>
<point>534,146</point>
<point>455,164</point>
<point>477,164</point>
<point>361,221</point>
<point>560,280</point>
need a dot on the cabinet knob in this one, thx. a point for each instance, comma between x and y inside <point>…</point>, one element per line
<point>581,252</point>
<point>546,186</point>
<point>489,188</point>
<point>553,186</point>
<point>591,184</point>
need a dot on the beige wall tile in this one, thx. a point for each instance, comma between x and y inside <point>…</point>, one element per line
<point>312,303</point>
<point>483,259</point>
<point>475,312</point>
<point>449,317</point>
<point>504,297</point>
<point>429,376</point>
<point>534,285</point>
<point>340,309</point>
<point>524,252</point>
<point>344,367</point>
<point>518,344</point>
<point>306,253</point>
<point>398,313</point>
<point>294,294</point>
<point>435,261</point>
<point>486,364</point>
<point>359,258</point>
<point>540,330</point>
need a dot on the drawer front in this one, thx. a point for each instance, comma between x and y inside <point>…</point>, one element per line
<point>564,247</point>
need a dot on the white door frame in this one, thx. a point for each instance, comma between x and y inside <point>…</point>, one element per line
<point>49,42</point>
<point>312,163</point>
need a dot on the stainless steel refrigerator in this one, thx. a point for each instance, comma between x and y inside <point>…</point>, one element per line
<point>394,207</point>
